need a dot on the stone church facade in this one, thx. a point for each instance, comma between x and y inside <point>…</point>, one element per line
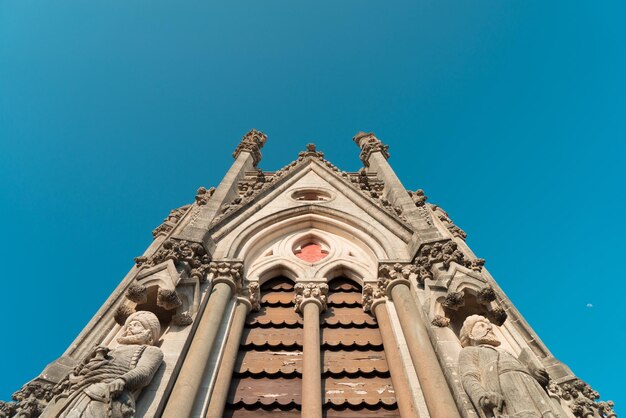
<point>313,292</point>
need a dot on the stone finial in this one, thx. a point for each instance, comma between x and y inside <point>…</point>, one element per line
<point>372,296</point>
<point>390,275</point>
<point>369,144</point>
<point>229,272</point>
<point>310,292</point>
<point>252,142</point>
<point>311,151</point>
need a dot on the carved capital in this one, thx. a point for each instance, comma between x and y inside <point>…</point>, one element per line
<point>370,144</point>
<point>390,275</point>
<point>310,293</point>
<point>229,272</point>
<point>251,142</point>
<point>372,296</point>
<point>251,296</point>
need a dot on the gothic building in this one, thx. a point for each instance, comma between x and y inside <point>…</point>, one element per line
<point>308,291</point>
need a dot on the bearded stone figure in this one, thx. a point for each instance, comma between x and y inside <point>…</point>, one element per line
<point>499,384</point>
<point>106,382</point>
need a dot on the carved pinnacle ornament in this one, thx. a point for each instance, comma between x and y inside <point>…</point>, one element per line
<point>370,144</point>
<point>310,292</point>
<point>203,195</point>
<point>311,151</point>
<point>372,296</point>
<point>252,142</point>
<point>418,197</point>
<point>229,272</point>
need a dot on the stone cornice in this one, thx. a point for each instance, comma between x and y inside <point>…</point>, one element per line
<point>252,142</point>
<point>370,144</point>
<point>310,293</point>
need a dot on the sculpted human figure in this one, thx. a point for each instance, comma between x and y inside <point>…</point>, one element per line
<point>106,382</point>
<point>499,384</point>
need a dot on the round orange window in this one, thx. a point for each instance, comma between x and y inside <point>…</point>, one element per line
<point>311,253</point>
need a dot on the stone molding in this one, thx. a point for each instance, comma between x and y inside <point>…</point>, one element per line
<point>229,272</point>
<point>443,216</point>
<point>251,142</point>
<point>581,399</point>
<point>310,293</point>
<point>370,144</point>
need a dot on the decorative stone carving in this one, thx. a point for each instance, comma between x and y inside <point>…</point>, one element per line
<point>29,401</point>
<point>229,272</point>
<point>497,315</point>
<point>137,293</point>
<point>103,384</point>
<point>252,142</point>
<point>373,188</point>
<point>453,300</point>
<point>122,313</point>
<point>497,383</point>
<point>168,299</point>
<point>310,292</point>
<point>182,319</point>
<point>254,295</point>
<point>440,321</point>
<point>311,151</point>
<point>372,295</point>
<point>486,295</point>
<point>418,197</point>
<point>204,195</point>
<point>171,221</point>
<point>447,222</point>
<point>442,252</point>
<point>391,274</point>
<point>370,144</point>
<point>179,251</point>
<point>582,400</point>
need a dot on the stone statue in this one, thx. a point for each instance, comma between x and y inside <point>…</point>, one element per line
<point>106,382</point>
<point>499,384</point>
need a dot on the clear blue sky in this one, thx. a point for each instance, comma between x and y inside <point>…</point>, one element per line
<point>511,115</point>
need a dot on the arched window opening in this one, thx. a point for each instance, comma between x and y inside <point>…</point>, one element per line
<point>267,378</point>
<point>355,373</point>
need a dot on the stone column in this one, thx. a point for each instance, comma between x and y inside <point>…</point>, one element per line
<point>247,156</point>
<point>374,300</point>
<point>219,395</point>
<point>226,282</point>
<point>394,281</point>
<point>311,301</point>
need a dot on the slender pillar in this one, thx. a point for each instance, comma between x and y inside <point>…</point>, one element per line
<point>311,301</point>
<point>437,394</point>
<point>226,281</point>
<point>406,406</point>
<point>224,376</point>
